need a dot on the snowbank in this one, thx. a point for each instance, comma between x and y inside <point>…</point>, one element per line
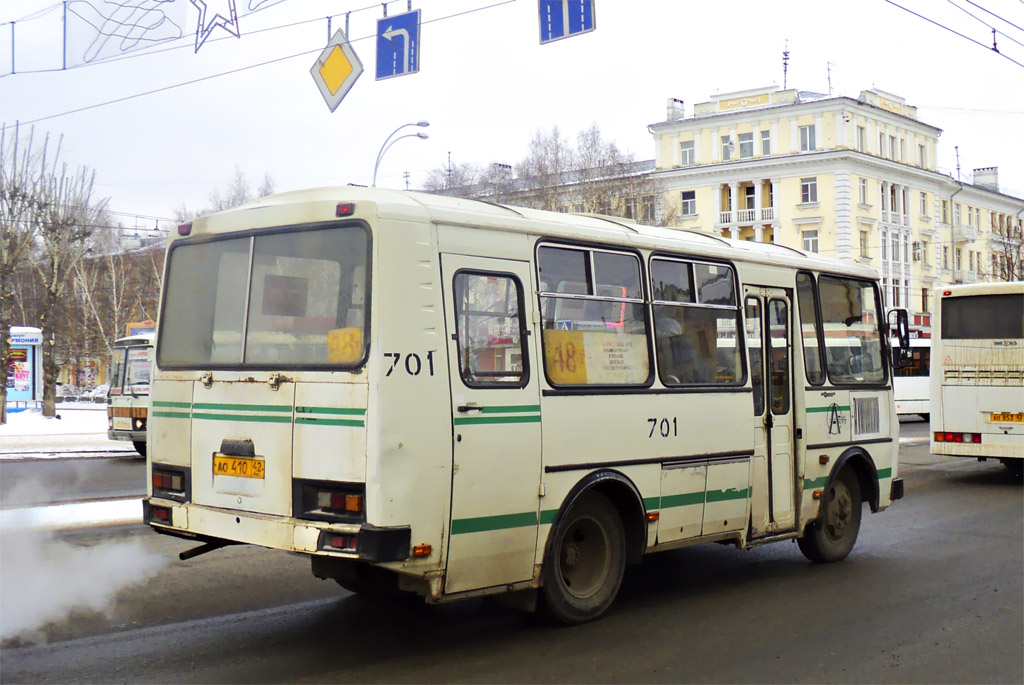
<point>81,427</point>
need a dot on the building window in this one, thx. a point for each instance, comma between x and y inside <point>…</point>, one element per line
<point>922,159</point>
<point>977,217</point>
<point>863,243</point>
<point>924,300</point>
<point>766,143</point>
<point>748,197</point>
<point>945,257</point>
<point>863,191</point>
<point>903,149</point>
<point>689,202</point>
<point>956,213</point>
<point>959,259</point>
<point>924,204</point>
<point>746,145</point>
<point>649,208</point>
<point>881,145</point>
<point>630,208</point>
<point>895,247</point>
<point>895,293</point>
<point>726,148</point>
<point>970,259</point>
<point>862,139</point>
<point>686,153</point>
<point>924,252</point>
<point>808,190</point>
<point>810,241</point>
<point>892,147</point>
<point>945,211</point>
<point>807,138</point>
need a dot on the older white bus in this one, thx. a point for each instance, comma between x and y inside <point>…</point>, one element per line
<point>459,399</point>
<point>910,383</point>
<point>977,379</point>
<point>128,395</point>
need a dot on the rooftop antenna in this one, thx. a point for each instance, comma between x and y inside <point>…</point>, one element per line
<point>957,148</point>
<point>785,63</point>
<point>405,174</point>
<point>828,68</point>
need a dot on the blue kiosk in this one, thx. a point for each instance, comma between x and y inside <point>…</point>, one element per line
<point>25,373</point>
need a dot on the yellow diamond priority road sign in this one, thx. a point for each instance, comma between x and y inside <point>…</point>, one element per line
<point>336,70</point>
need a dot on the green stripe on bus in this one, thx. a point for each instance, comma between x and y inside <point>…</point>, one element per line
<point>683,500</point>
<point>547,516</point>
<point>511,408</point>
<point>469,420</point>
<point>488,523</point>
<point>243,407</point>
<point>256,418</point>
<point>726,495</point>
<point>175,405</point>
<point>172,414</point>
<point>330,422</point>
<point>330,410</point>
<point>813,483</point>
<point>814,410</point>
<point>884,473</point>
<point>652,503</point>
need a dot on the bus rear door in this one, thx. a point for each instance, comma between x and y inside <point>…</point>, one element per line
<point>496,426</point>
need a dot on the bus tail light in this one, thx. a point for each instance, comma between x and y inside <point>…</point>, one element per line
<point>329,501</point>
<point>345,209</point>
<point>171,482</point>
<point>973,438</point>
<point>422,550</point>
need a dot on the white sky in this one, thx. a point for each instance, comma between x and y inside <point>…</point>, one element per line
<point>486,85</point>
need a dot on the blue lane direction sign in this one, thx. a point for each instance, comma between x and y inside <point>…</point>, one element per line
<point>398,45</point>
<point>564,18</point>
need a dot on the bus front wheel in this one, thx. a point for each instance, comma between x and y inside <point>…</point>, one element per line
<point>586,561</point>
<point>832,536</point>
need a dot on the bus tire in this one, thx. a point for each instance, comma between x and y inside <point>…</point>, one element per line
<point>140,447</point>
<point>833,535</point>
<point>1016,466</point>
<point>586,562</point>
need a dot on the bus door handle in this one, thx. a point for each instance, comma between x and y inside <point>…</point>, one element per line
<point>470,407</point>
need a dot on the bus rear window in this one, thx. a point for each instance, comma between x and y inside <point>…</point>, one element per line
<point>983,317</point>
<point>305,305</point>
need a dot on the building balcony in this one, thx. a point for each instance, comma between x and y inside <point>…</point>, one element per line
<point>963,234</point>
<point>894,218</point>
<point>965,276</point>
<point>746,216</point>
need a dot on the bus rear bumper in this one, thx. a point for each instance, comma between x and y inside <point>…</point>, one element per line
<point>896,491</point>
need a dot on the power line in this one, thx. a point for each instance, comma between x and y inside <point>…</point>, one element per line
<point>986,25</point>
<point>994,15</point>
<point>932,21</point>
<point>245,68</point>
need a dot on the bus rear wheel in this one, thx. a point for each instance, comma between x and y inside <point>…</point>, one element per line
<point>587,561</point>
<point>833,535</point>
<point>140,447</point>
<point>1016,466</point>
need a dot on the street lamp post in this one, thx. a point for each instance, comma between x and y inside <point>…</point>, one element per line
<point>391,140</point>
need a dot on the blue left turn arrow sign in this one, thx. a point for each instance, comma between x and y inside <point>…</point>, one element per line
<point>398,45</point>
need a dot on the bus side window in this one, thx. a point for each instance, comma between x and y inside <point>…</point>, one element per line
<point>488,325</point>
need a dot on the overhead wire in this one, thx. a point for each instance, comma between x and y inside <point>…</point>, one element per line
<point>986,24</point>
<point>994,15</point>
<point>245,68</point>
<point>942,26</point>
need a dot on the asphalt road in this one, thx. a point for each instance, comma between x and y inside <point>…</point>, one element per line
<point>931,593</point>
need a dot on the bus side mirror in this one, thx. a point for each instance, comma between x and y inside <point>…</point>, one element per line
<point>898,325</point>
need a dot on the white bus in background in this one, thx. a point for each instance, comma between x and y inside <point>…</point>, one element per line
<point>128,395</point>
<point>460,399</point>
<point>911,384</point>
<point>977,378</point>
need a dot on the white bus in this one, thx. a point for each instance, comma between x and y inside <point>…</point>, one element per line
<point>128,395</point>
<point>459,399</point>
<point>977,386</point>
<point>910,384</point>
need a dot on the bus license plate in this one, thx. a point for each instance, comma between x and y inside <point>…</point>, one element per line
<point>122,423</point>
<point>240,467</point>
<point>1004,417</point>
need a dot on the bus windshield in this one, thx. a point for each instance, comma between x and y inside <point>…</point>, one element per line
<point>983,317</point>
<point>305,306</point>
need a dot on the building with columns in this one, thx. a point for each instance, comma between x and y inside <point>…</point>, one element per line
<point>852,178</point>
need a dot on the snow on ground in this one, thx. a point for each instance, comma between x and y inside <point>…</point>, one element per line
<point>81,427</point>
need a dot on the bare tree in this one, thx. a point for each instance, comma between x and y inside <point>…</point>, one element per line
<point>1007,246</point>
<point>21,180</point>
<point>237,192</point>
<point>455,179</point>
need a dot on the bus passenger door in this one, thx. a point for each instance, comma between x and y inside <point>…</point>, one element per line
<point>496,428</point>
<point>769,345</point>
